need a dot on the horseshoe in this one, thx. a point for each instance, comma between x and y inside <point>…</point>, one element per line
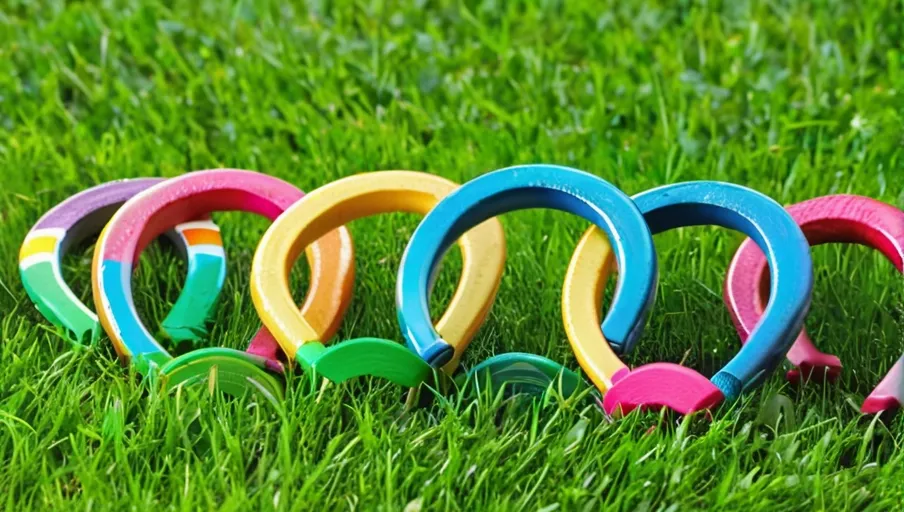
<point>669,385</point>
<point>336,204</point>
<point>516,188</point>
<point>79,217</point>
<point>190,196</point>
<point>828,219</point>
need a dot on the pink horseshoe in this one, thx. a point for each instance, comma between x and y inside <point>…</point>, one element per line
<point>828,219</point>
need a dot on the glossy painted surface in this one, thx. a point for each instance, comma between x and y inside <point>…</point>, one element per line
<point>84,215</point>
<point>693,204</point>
<point>340,202</point>
<point>829,219</point>
<point>522,187</point>
<point>582,303</point>
<point>520,372</point>
<point>189,196</point>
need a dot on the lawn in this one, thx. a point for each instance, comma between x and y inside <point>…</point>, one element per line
<point>791,99</point>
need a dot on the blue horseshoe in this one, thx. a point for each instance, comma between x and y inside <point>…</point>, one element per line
<point>518,188</point>
<point>742,209</point>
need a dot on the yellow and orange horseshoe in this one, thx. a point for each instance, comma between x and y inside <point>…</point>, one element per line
<point>340,202</point>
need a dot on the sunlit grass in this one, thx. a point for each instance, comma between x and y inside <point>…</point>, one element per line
<point>792,99</point>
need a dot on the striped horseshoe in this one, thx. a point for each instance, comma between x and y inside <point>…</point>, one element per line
<point>84,215</point>
<point>190,196</point>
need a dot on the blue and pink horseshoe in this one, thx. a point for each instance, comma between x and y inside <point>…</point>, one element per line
<point>517,188</point>
<point>85,214</point>
<point>775,232</point>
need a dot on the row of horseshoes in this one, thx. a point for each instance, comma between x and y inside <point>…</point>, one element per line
<point>767,289</point>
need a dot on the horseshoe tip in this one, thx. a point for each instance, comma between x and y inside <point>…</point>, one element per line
<point>825,369</point>
<point>658,385</point>
<point>889,394</point>
<point>879,403</point>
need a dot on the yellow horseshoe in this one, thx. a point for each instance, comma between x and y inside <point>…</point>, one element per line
<point>354,197</point>
<point>582,300</point>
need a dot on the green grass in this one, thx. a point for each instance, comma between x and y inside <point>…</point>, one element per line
<point>792,99</point>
